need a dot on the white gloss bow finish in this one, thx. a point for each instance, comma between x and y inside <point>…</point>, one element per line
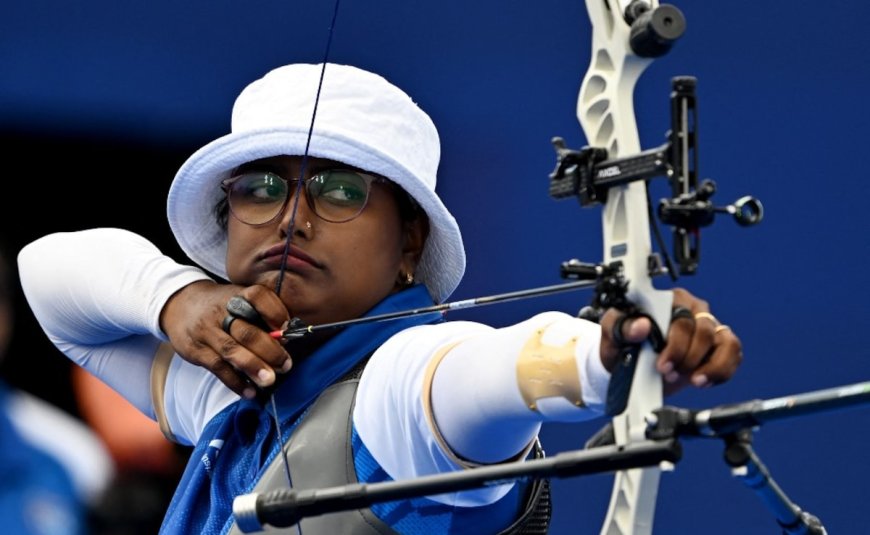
<point>605,110</point>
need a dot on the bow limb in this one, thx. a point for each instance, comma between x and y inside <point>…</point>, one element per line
<point>606,113</point>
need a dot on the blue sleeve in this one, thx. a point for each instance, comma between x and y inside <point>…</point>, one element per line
<point>37,496</point>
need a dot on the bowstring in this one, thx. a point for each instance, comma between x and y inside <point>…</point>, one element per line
<point>291,223</point>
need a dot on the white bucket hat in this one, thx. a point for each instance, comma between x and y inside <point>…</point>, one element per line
<point>362,120</point>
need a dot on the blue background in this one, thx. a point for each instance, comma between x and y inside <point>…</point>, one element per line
<point>112,96</point>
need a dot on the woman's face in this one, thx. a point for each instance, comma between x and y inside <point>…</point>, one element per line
<point>334,271</point>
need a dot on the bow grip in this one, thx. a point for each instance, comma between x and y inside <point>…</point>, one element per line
<point>622,376</point>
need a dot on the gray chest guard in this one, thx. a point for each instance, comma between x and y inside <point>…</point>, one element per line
<point>320,455</point>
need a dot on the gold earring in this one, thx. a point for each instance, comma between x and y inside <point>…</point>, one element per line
<point>409,279</point>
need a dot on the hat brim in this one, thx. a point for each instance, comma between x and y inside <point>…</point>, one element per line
<point>195,192</point>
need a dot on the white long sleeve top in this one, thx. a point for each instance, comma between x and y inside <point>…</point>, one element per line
<point>430,397</point>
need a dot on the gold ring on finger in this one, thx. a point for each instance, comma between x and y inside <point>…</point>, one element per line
<point>707,315</point>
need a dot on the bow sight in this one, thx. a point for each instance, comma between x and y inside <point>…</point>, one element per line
<point>588,175</point>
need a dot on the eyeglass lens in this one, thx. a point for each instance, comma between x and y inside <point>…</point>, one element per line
<point>335,195</point>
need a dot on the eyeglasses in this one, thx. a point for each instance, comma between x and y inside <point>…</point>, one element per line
<point>336,195</point>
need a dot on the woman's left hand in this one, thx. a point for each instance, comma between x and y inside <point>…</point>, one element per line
<point>700,350</point>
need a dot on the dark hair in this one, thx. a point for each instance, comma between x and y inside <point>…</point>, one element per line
<point>5,273</point>
<point>221,212</point>
<point>409,209</point>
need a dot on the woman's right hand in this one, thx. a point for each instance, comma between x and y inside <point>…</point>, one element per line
<point>246,356</point>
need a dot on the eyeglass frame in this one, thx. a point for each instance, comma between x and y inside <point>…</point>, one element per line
<point>293,186</point>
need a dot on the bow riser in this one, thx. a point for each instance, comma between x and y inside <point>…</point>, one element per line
<point>606,112</point>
